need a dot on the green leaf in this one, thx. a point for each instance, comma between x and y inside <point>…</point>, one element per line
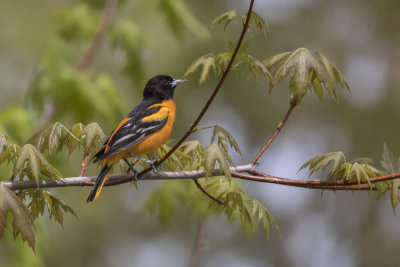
<point>226,17</point>
<point>223,138</point>
<point>257,67</point>
<point>127,35</point>
<point>91,135</point>
<point>307,71</point>
<point>207,62</point>
<point>390,165</point>
<point>323,161</point>
<point>388,161</point>
<point>262,216</point>
<point>179,16</point>
<point>55,207</point>
<point>258,21</point>
<point>212,155</point>
<point>71,139</point>
<point>48,138</point>
<point>3,144</point>
<point>394,194</point>
<point>22,219</point>
<point>77,22</point>
<point>166,199</point>
<point>9,154</point>
<point>30,158</point>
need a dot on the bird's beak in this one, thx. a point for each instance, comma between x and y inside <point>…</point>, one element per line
<point>175,82</point>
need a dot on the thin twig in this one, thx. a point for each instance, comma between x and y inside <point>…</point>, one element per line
<point>215,92</point>
<point>108,13</point>
<point>277,131</point>
<point>206,193</point>
<point>83,165</point>
<point>198,247</point>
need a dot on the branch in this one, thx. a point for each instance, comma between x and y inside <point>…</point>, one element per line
<point>278,130</point>
<point>219,201</point>
<point>216,90</point>
<point>198,247</point>
<point>115,179</point>
<point>108,12</point>
<point>245,172</point>
<point>316,183</point>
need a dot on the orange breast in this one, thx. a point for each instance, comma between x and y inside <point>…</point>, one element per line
<point>158,138</point>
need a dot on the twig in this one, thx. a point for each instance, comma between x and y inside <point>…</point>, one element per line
<point>83,165</point>
<point>210,100</point>
<point>198,247</point>
<point>206,193</point>
<point>108,12</point>
<point>277,131</point>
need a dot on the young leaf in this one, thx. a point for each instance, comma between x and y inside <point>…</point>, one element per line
<point>390,165</point>
<point>208,62</point>
<point>48,138</point>
<point>9,154</point>
<point>30,158</point>
<point>307,71</point>
<point>91,134</point>
<point>258,21</point>
<point>223,138</point>
<point>388,161</point>
<point>3,144</point>
<point>55,207</point>
<point>323,161</point>
<point>71,139</point>
<point>179,16</point>
<point>166,198</point>
<point>212,155</point>
<point>261,215</point>
<point>234,203</point>
<point>22,219</point>
<point>226,17</point>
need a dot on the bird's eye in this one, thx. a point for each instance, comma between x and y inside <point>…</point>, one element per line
<point>164,81</point>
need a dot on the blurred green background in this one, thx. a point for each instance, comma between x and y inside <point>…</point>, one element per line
<point>41,43</point>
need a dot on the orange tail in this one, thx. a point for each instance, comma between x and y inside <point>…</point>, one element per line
<point>98,185</point>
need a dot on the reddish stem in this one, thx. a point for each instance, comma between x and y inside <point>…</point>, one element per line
<point>83,166</point>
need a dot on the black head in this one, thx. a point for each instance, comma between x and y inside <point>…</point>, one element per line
<point>161,86</point>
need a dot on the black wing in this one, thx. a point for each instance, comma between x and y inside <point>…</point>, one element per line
<point>133,131</point>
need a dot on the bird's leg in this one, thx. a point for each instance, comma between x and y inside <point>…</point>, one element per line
<point>135,177</point>
<point>150,162</point>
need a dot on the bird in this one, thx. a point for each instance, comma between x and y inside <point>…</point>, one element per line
<point>146,128</point>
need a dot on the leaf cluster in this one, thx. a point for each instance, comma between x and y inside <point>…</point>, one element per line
<point>191,155</point>
<point>307,71</point>
<point>357,169</point>
<point>29,162</point>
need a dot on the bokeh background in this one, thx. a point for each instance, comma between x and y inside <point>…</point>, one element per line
<point>316,228</point>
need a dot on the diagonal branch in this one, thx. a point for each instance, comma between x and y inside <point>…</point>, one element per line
<point>108,13</point>
<point>219,201</point>
<point>214,93</point>
<point>277,131</point>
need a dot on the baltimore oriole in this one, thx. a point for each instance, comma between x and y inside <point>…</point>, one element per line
<point>146,128</point>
